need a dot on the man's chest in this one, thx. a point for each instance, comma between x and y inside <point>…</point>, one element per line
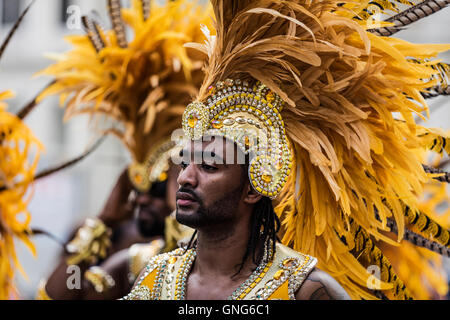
<point>208,288</point>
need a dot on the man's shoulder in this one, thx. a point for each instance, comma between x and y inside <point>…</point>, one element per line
<point>311,282</point>
<point>148,276</point>
<point>164,258</point>
<point>285,251</point>
<point>319,285</point>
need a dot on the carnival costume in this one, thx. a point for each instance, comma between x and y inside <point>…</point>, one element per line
<point>323,105</point>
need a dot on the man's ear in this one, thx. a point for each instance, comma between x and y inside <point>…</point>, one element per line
<point>251,196</point>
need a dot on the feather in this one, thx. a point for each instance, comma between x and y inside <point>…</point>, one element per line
<point>93,33</point>
<point>427,226</point>
<point>366,10</point>
<point>32,104</point>
<point>436,91</point>
<point>369,254</point>
<point>19,154</point>
<point>145,9</point>
<point>434,140</point>
<point>411,15</point>
<point>69,163</point>
<point>420,240</point>
<point>114,8</point>
<point>137,90</point>
<point>443,176</point>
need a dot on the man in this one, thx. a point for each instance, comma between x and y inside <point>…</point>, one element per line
<point>307,95</point>
<point>217,200</point>
<point>114,276</point>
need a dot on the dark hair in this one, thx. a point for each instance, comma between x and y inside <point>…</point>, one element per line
<point>264,226</point>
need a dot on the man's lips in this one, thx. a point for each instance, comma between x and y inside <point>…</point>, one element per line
<point>185,199</point>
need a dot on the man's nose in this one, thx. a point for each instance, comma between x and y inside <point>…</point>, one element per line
<point>188,176</point>
<point>143,199</point>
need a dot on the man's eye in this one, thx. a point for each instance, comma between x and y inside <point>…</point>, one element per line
<point>208,167</point>
<point>183,164</point>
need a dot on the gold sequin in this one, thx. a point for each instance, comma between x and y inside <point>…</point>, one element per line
<point>266,177</point>
<point>278,274</point>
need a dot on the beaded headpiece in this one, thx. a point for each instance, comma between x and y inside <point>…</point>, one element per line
<point>248,115</point>
<point>154,168</point>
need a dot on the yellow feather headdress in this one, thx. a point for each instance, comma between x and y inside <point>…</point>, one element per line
<point>353,170</point>
<point>141,85</point>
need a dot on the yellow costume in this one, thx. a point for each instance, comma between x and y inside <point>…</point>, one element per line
<point>165,277</point>
<point>323,106</point>
<point>141,253</point>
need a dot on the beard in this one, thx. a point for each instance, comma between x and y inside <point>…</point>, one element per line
<point>222,211</point>
<point>149,226</point>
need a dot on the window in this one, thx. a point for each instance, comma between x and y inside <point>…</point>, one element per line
<point>10,11</point>
<point>64,5</point>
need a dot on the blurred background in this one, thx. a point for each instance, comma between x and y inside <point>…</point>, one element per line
<point>65,199</point>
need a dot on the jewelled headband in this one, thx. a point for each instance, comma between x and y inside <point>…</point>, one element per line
<point>154,168</point>
<point>248,115</point>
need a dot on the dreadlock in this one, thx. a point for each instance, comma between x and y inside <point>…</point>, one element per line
<point>264,226</point>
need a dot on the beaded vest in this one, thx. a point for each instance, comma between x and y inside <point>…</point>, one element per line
<point>165,277</point>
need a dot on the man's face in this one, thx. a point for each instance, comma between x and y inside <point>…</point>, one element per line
<point>211,188</point>
<point>150,213</point>
<point>154,206</point>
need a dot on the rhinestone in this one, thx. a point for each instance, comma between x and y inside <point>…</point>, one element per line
<point>248,143</point>
<point>211,90</point>
<point>192,120</point>
<point>228,122</point>
<point>270,97</point>
<point>217,124</point>
<point>241,120</point>
<point>172,260</point>
<point>138,178</point>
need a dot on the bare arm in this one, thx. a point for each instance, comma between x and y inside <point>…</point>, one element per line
<point>116,266</point>
<point>319,285</point>
<point>116,210</point>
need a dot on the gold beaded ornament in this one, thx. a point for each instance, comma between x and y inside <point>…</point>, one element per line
<point>154,168</point>
<point>248,115</point>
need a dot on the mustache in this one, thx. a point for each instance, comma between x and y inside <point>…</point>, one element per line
<point>139,207</point>
<point>191,192</point>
